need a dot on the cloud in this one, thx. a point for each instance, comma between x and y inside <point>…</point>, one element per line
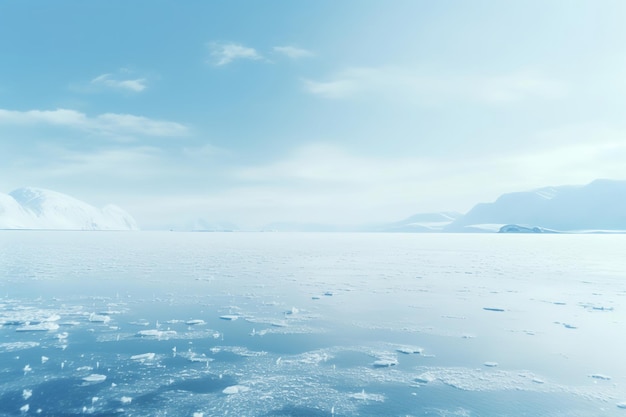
<point>293,52</point>
<point>107,80</point>
<point>406,83</point>
<point>573,154</point>
<point>225,53</point>
<point>124,163</point>
<point>106,123</point>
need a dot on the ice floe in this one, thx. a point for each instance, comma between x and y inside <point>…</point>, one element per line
<point>385,363</point>
<point>364,396</point>
<point>425,378</point>
<point>144,357</point>
<point>40,327</point>
<point>408,350</point>
<point>235,389</point>
<point>99,318</point>
<point>159,334</point>
<point>16,346</point>
<point>95,378</point>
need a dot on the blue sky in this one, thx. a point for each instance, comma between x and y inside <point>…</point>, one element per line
<point>320,111</point>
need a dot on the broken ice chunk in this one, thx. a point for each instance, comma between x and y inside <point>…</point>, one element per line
<point>235,389</point>
<point>385,363</point>
<point>425,378</point>
<point>95,378</point>
<point>407,350</point>
<point>99,318</point>
<point>156,333</point>
<point>41,327</point>
<point>367,397</point>
<point>144,357</point>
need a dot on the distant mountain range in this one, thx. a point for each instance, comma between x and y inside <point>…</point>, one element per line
<point>596,207</point>
<point>35,208</point>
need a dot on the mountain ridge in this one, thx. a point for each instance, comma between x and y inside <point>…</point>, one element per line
<point>41,209</point>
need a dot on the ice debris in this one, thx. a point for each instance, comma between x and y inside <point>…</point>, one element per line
<point>367,397</point>
<point>157,333</point>
<point>144,357</point>
<point>408,350</point>
<point>385,363</point>
<point>40,327</point>
<point>95,378</point>
<point>235,389</point>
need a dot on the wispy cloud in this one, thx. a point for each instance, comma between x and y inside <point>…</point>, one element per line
<point>293,52</point>
<point>108,80</point>
<point>225,53</point>
<point>106,123</point>
<point>416,85</point>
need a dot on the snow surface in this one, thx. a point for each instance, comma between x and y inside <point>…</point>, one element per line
<point>36,208</point>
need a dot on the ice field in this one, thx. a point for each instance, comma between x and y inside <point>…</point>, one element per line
<point>271,324</point>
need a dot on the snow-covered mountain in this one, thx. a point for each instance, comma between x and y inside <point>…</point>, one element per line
<point>600,205</point>
<point>35,208</point>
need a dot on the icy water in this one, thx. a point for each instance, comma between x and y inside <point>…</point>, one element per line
<point>211,324</point>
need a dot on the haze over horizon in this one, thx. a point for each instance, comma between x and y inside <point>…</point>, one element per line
<point>324,112</point>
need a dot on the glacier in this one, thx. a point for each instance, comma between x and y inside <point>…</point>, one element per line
<point>41,209</point>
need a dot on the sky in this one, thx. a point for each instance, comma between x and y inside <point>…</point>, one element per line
<point>339,112</point>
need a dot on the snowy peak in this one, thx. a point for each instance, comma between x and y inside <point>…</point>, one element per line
<point>35,208</point>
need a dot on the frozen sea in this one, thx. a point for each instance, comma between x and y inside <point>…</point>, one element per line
<point>271,324</point>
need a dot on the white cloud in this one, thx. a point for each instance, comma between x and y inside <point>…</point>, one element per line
<point>575,154</point>
<point>413,84</point>
<point>225,53</point>
<point>135,85</point>
<point>293,52</point>
<point>107,123</point>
